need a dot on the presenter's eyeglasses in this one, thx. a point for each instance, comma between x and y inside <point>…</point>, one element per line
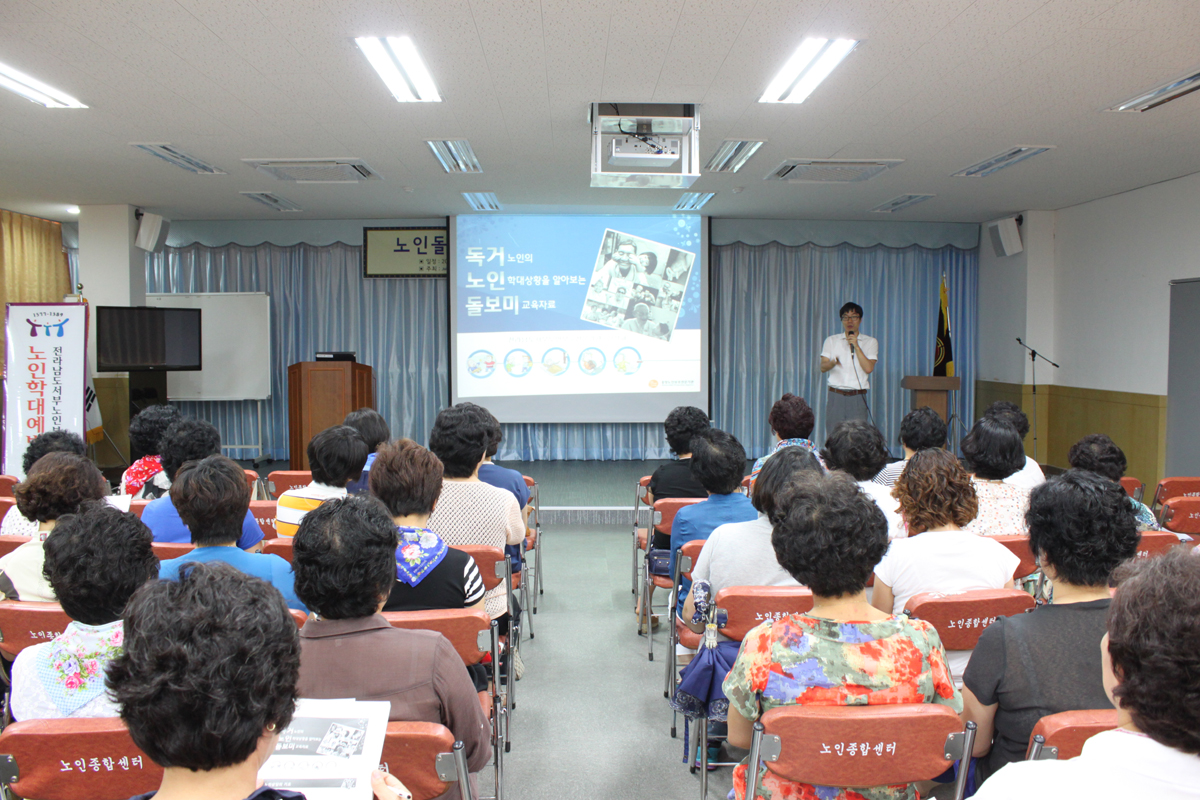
<point>851,316</point>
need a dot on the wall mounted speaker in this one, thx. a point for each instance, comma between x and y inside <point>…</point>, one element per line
<point>152,232</point>
<point>1006,236</point>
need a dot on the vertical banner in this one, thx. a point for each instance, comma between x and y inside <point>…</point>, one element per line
<point>44,385</point>
<point>943,354</point>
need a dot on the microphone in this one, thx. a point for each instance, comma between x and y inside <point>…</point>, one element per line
<point>851,348</point>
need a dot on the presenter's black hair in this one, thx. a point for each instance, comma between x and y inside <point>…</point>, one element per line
<point>848,307</point>
<point>992,449</point>
<point>147,428</point>
<point>337,455</point>
<point>345,557</point>
<point>856,447</point>
<point>55,441</point>
<point>718,461</point>
<point>682,424</point>
<point>460,437</point>
<point>922,429</point>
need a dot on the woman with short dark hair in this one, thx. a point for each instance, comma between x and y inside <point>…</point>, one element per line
<point>1149,666</point>
<point>336,456</point>
<point>95,561</point>
<point>1100,454</point>
<point>992,451</point>
<point>57,485</point>
<point>674,478</point>
<point>56,441</point>
<point>374,430</point>
<point>829,536</point>
<point>791,420</point>
<point>1025,667</point>
<point>145,435</point>
<point>857,448</point>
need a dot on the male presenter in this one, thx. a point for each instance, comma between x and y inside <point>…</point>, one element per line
<point>848,358</point>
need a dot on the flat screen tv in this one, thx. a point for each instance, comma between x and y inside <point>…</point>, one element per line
<point>147,339</point>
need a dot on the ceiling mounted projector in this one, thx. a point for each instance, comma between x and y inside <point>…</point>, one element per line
<point>644,145</point>
<point>643,151</point>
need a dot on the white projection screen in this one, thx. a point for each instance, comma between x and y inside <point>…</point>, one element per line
<point>557,318</point>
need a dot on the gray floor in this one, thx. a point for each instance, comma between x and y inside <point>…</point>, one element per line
<point>591,720</point>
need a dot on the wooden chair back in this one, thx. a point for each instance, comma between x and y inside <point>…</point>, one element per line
<point>24,623</point>
<point>962,616</point>
<point>281,480</point>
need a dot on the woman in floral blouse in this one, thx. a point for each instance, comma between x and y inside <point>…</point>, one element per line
<point>829,536</point>
<point>95,561</point>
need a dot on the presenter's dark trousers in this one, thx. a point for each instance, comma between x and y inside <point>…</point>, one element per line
<point>841,406</point>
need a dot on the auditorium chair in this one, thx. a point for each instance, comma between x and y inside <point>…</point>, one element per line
<point>960,617</point>
<point>495,569</point>
<point>746,486</point>
<point>1133,487</point>
<point>1174,487</point>
<point>281,480</point>
<point>1182,515</point>
<point>7,482</point>
<point>426,759</point>
<point>1019,546</point>
<point>254,479</point>
<point>299,616</point>
<point>74,759</point>
<point>7,503</point>
<point>641,536</point>
<point>1062,735</point>
<point>168,550</point>
<point>822,745</point>
<point>24,623</point>
<point>663,516</point>
<point>533,540</point>
<point>10,543</point>
<point>264,515</point>
<point>1155,543</point>
<point>677,632</point>
<point>138,506</point>
<point>281,547</point>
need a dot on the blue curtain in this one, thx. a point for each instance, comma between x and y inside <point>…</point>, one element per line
<point>320,301</point>
<point>773,305</point>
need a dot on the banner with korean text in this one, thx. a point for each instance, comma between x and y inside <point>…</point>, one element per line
<point>47,364</point>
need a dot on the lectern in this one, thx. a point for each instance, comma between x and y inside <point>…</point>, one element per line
<point>932,391</point>
<point>320,395</point>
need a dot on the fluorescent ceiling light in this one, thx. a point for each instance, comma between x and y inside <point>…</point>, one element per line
<point>455,155</point>
<point>272,200</point>
<point>812,63</point>
<point>401,68</point>
<point>1014,155</point>
<point>1172,90</point>
<point>482,201</point>
<point>902,202</point>
<point>72,209</point>
<point>733,154</point>
<point>173,155</point>
<point>33,89</point>
<point>693,201</point>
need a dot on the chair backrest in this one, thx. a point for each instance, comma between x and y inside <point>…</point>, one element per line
<point>264,515</point>
<point>462,626</point>
<point>961,617</point>
<point>746,486</point>
<point>10,543</point>
<point>691,552</point>
<point>1155,543</point>
<point>860,745</point>
<point>77,759</point>
<point>491,562</point>
<point>665,511</point>
<point>281,480</point>
<point>1176,487</point>
<point>138,506</point>
<point>1182,515</point>
<point>281,547</point>
<point>747,607</point>
<point>1068,730</point>
<point>168,550</point>
<point>24,623</point>
<point>299,616</point>
<point>7,482</point>
<point>7,504</point>
<point>643,489</point>
<point>1019,545</point>
<point>410,752</point>
<point>1133,487</point>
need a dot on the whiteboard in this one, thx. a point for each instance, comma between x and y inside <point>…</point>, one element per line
<point>235,346</point>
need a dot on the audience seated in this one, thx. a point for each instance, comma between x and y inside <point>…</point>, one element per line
<point>1028,666</point>
<point>212,497</point>
<point>190,440</point>
<point>1150,666</point>
<point>145,433</point>
<point>95,561</point>
<point>857,448</point>
<point>1030,474</point>
<point>921,429</point>
<point>345,560</point>
<point>718,462</point>
<point>829,535</point>
<point>938,501</point>
<point>58,483</point>
<point>16,523</point>
<point>469,511</point>
<point>504,478</point>
<point>407,479</point>
<point>674,479</point>
<point>740,553</point>
<point>992,452</point>
<point>374,430</point>
<point>791,420</point>
<point>207,681</point>
<point>336,456</point>
<point>1099,454</point>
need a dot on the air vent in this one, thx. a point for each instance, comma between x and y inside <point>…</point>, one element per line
<point>482,201</point>
<point>900,203</point>
<point>732,155</point>
<point>812,170</point>
<point>272,200</point>
<point>1014,155</point>
<point>173,155</point>
<point>315,170</point>
<point>693,201</point>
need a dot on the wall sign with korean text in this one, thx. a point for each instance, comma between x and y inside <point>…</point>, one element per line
<point>46,369</point>
<point>405,252</point>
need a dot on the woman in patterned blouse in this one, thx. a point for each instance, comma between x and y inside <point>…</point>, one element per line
<point>829,536</point>
<point>992,451</point>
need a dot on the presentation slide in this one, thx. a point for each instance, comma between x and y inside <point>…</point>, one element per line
<point>580,318</point>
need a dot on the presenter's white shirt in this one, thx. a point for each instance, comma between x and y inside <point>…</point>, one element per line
<point>1029,476</point>
<point>847,374</point>
<point>1114,765</point>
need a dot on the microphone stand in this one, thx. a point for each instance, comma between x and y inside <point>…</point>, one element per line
<point>1034,355</point>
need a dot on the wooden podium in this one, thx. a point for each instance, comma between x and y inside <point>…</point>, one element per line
<point>932,391</point>
<point>320,395</point>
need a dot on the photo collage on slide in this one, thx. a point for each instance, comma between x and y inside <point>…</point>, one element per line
<point>637,285</point>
